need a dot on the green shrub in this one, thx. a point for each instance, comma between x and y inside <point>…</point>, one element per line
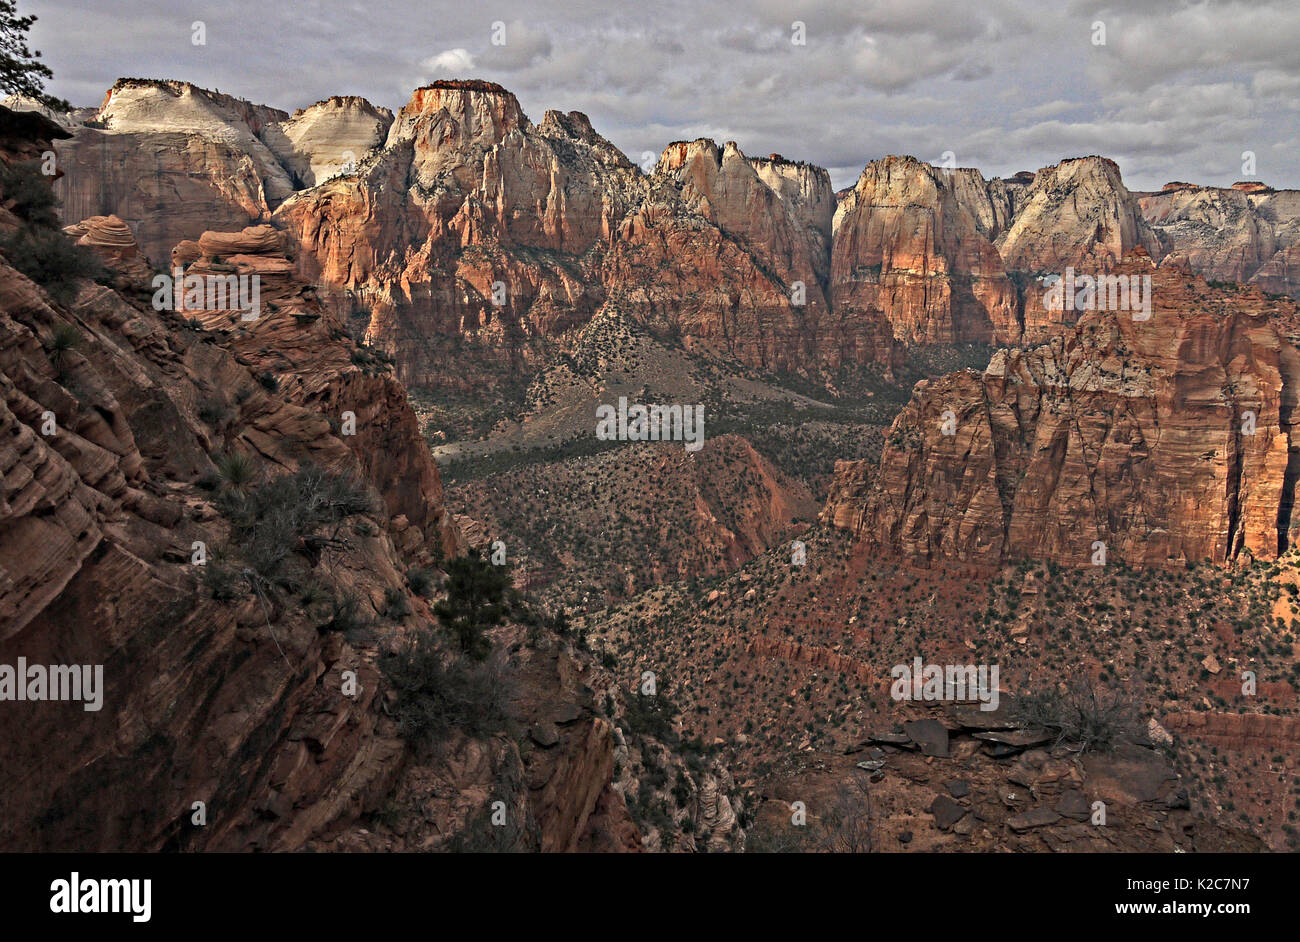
<point>237,471</point>
<point>421,582</point>
<point>280,530</point>
<point>482,835</point>
<point>312,593</point>
<point>396,607</point>
<point>65,339</point>
<point>223,581</point>
<point>651,716</point>
<point>214,412</point>
<point>52,260</point>
<point>436,696</point>
<point>346,617</point>
<point>475,602</point>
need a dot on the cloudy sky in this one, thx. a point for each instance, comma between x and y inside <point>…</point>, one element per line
<point>1178,90</point>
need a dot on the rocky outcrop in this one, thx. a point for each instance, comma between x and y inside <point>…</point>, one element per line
<point>170,158</point>
<point>327,139</point>
<point>781,210</point>
<point>913,242</point>
<point>466,197</point>
<point>27,130</point>
<point>1281,273</point>
<point>1215,230</point>
<point>1074,215</point>
<point>1245,233</point>
<point>316,365</point>
<point>1237,731</point>
<point>949,257</point>
<point>812,655</point>
<point>1134,434</point>
<point>111,238</point>
<point>111,415</point>
<point>1077,213</point>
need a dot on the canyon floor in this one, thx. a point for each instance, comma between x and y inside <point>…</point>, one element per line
<point>682,565</point>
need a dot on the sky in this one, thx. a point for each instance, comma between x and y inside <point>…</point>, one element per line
<point>1171,91</point>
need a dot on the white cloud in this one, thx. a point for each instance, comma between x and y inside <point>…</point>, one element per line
<point>1180,89</point>
<point>451,63</point>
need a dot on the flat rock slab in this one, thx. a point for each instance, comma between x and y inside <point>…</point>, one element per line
<point>946,812</point>
<point>891,739</point>
<point>957,789</point>
<point>1035,818</point>
<point>970,716</point>
<point>1074,804</point>
<point>1024,738</point>
<point>930,735</point>
<point>1131,774</point>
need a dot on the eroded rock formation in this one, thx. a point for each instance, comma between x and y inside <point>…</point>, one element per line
<point>1166,440</point>
<point>113,412</point>
<point>170,158</point>
<point>459,224</point>
<point>914,242</point>
<point>1245,233</point>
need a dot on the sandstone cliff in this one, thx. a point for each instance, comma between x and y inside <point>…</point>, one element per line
<point>121,420</point>
<point>1078,213</point>
<point>329,138</point>
<point>1131,433</point>
<point>460,226</point>
<point>1232,234</point>
<point>913,242</point>
<point>170,158</point>
<point>950,257</point>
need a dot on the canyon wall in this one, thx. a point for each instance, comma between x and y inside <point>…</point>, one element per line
<point>459,230</point>
<point>1167,440</point>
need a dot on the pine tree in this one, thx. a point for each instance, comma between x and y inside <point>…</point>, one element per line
<point>475,602</point>
<point>21,71</point>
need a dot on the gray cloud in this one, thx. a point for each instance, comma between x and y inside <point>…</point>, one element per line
<point>1178,92</point>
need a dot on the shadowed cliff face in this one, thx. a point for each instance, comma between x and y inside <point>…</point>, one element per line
<point>255,700</point>
<point>113,413</point>
<point>1167,440</point>
<point>202,698</point>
